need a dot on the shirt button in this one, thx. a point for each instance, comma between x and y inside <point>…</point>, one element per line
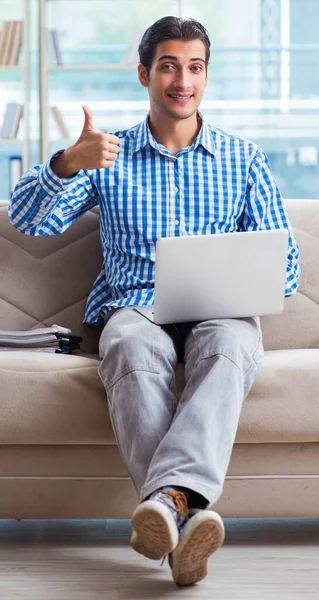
<point>176,189</point>
<point>176,222</point>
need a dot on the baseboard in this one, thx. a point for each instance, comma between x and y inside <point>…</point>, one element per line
<point>115,498</point>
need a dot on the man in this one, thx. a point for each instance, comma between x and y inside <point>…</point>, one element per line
<point>171,175</point>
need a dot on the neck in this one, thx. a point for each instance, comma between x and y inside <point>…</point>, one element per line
<point>174,134</point>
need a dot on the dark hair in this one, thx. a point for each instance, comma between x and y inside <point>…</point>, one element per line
<point>171,28</point>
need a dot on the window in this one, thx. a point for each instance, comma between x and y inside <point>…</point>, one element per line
<point>263,74</point>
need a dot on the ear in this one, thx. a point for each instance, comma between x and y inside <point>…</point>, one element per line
<point>142,75</point>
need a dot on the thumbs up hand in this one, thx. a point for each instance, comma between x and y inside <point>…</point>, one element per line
<point>93,150</point>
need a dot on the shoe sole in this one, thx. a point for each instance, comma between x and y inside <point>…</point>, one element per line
<point>202,535</point>
<point>155,532</point>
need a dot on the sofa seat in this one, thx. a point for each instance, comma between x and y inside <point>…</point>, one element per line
<point>51,399</point>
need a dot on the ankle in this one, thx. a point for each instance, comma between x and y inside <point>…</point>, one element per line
<point>176,500</point>
<point>195,500</point>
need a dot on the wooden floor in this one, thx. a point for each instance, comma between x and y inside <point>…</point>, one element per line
<point>92,560</point>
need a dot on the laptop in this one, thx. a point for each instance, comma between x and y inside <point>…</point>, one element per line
<point>221,275</point>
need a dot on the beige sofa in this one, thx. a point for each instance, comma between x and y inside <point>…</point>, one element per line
<point>58,455</point>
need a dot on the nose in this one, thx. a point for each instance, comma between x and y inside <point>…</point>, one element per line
<point>181,80</point>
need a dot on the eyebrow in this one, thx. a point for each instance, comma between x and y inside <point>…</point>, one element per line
<point>172,57</point>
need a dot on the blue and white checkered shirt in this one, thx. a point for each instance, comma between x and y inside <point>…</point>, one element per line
<point>221,183</point>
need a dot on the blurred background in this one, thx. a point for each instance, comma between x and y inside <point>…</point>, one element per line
<point>56,55</point>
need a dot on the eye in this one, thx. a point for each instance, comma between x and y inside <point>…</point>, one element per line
<point>197,68</point>
<point>167,67</point>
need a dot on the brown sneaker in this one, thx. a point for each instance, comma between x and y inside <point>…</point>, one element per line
<point>202,535</point>
<point>156,523</point>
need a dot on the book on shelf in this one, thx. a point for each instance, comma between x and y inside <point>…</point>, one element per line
<point>53,47</point>
<point>57,46</point>
<point>11,42</point>
<point>16,43</point>
<point>11,120</point>
<point>15,172</point>
<point>54,338</point>
<point>4,46</point>
<point>60,121</point>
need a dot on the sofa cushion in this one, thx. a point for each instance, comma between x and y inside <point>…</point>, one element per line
<point>283,403</point>
<point>52,399</point>
<point>59,399</point>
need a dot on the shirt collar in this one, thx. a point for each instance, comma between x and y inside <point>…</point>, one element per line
<point>143,136</point>
<point>205,136</point>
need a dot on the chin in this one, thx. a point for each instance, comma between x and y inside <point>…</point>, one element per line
<point>187,115</point>
<point>181,113</point>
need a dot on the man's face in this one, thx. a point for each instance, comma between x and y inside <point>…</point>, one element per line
<point>177,78</point>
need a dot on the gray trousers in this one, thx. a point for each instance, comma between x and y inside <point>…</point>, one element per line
<point>188,443</point>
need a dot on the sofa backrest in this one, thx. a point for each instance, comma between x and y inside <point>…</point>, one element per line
<point>298,325</point>
<point>45,280</point>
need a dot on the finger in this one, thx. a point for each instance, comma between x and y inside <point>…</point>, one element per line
<point>88,119</point>
<point>112,139</point>
<point>110,156</point>
<point>107,164</point>
<point>113,148</point>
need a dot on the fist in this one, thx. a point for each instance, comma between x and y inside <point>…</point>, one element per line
<point>94,150</point>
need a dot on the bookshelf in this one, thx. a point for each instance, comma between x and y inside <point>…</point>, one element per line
<point>127,61</point>
<point>17,145</point>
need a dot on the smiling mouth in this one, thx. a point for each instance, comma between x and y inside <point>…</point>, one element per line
<point>180,96</point>
<point>180,99</point>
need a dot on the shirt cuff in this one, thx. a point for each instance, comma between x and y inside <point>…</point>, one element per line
<point>49,180</point>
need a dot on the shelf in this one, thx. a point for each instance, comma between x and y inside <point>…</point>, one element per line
<point>11,68</point>
<point>10,141</point>
<point>110,67</point>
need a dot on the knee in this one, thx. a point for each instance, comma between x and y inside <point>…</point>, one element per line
<point>125,350</point>
<point>219,338</point>
<point>214,338</point>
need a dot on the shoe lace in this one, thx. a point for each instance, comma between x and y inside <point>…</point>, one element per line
<point>180,499</point>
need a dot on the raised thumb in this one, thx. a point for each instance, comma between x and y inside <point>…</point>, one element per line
<point>88,119</point>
